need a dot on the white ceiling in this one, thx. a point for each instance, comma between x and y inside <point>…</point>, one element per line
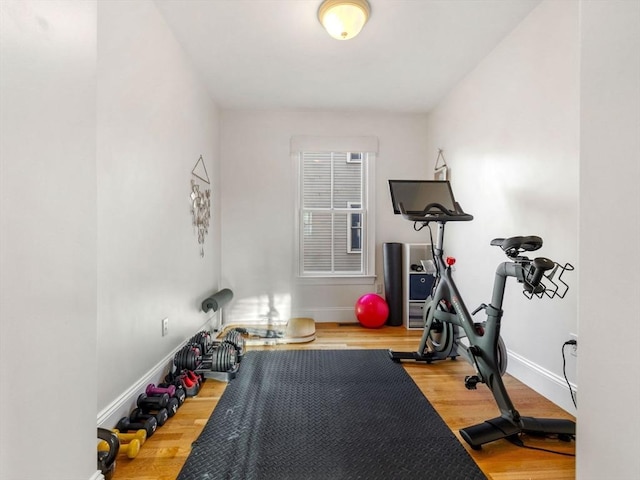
<point>274,54</point>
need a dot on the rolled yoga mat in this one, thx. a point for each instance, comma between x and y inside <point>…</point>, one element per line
<point>392,261</point>
<point>218,300</point>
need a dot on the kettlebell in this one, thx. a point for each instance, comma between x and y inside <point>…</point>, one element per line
<point>107,460</point>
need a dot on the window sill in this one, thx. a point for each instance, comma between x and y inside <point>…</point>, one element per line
<point>337,280</point>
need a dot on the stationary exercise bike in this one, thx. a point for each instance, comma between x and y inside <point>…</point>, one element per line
<point>450,331</point>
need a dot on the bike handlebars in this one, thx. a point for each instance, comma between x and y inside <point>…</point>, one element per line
<point>436,212</point>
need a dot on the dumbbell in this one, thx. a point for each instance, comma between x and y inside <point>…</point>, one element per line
<point>140,415</point>
<point>140,435</point>
<point>224,358</point>
<point>188,357</point>
<point>149,425</point>
<point>171,390</point>
<point>179,379</point>
<point>191,386</point>
<point>157,404</point>
<point>180,394</point>
<point>203,340</point>
<point>185,380</point>
<point>194,377</point>
<point>153,390</point>
<point>153,403</point>
<point>131,449</point>
<point>235,338</point>
<point>190,379</point>
<point>191,357</point>
<point>220,358</point>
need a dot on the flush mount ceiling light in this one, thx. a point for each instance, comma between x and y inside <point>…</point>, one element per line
<point>344,19</point>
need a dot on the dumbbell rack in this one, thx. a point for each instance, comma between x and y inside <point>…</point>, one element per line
<point>220,376</point>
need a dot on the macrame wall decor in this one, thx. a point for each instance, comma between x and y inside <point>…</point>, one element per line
<point>440,170</point>
<point>200,201</point>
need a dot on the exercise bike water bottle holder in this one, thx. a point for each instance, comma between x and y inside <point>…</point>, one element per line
<point>541,277</point>
<point>552,285</point>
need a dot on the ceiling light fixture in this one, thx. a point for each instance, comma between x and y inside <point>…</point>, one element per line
<point>344,19</point>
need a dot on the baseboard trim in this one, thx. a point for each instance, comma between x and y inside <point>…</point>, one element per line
<point>122,405</point>
<point>126,402</point>
<point>327,314</point>
<point>543,381</point>
<point>97,475</point>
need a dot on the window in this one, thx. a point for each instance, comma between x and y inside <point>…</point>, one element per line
<point>353,157</point>
<point>354,230</point>
<point>335,227</point>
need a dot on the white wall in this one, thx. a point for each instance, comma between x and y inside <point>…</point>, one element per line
<point>608,440</point>
<point>94,91</point>
<point>559,96</point>
<point>48,240</point>
<point>259,191</point>
<point>510,132</point>
<point>155,119</point>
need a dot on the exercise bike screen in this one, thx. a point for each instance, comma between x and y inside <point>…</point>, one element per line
<point>415,195</point>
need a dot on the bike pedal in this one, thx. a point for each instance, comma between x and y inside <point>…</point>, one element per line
<point>470,382</point>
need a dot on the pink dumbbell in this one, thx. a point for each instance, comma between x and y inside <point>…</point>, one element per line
<point>153,390</point>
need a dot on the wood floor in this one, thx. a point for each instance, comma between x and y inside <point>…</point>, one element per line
<point>163,455</point>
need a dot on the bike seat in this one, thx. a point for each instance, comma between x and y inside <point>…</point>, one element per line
<point>527,244</point>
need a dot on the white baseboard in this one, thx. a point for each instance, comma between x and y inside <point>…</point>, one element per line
<point>97,476</point>
<point>319,315</point>
<point>126,402</point>
<point>327,315</point>
<point>543,381</point>
<point>122,406</point>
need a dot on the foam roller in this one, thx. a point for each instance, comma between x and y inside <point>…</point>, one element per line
<point>218,300</point>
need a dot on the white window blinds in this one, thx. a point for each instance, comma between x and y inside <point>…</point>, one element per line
<point>335,236</point>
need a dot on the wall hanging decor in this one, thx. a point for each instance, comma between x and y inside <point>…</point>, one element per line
<point>440,170</point>
<point>200,201</point>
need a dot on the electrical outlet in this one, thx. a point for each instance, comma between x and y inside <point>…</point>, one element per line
<point>573,349</point>
<point>165,327</point>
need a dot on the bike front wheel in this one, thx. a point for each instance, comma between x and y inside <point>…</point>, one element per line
<point>501,356</point>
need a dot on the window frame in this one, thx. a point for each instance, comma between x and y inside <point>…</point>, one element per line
<point>367,276</point>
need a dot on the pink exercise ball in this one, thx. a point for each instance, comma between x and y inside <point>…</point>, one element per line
<point>371,310</point>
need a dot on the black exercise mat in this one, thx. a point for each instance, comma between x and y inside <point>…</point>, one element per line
<point>325,414</point>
